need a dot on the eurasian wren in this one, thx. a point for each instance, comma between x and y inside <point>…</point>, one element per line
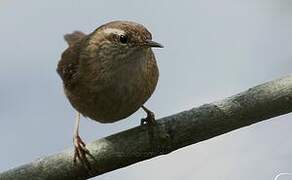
<point>108,74</point>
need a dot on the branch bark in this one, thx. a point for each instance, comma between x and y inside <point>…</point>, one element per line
<point>171,133</point>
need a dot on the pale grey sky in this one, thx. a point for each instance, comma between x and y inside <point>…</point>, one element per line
<point>213,49</point>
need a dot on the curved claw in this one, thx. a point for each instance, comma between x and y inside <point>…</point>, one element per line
<point>150,119</point>
<point>80,152</point>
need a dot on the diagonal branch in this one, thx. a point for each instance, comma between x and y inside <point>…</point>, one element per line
<point>171,133</point>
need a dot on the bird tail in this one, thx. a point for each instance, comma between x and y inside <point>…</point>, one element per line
<point>73,37</point>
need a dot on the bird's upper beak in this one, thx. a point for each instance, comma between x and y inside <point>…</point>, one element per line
<point>151,43</point>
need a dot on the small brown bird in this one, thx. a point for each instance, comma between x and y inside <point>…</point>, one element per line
<point>108,74</point>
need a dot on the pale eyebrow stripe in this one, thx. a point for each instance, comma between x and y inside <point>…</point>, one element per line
<point>113,31</point>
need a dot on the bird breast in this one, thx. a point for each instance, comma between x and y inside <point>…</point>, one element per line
<point>119,93</point>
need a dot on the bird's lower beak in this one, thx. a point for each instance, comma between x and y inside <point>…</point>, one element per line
<point>151,43</point>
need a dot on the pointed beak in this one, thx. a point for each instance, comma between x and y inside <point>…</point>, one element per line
<point>151,43</point>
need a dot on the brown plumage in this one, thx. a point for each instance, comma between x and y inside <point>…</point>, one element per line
<point>110,73</point>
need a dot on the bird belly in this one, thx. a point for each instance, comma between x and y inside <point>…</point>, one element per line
<point>119,99</point>
<point>118,102</point>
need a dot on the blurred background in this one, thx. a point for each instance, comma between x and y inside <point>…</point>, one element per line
<point>213,49</point>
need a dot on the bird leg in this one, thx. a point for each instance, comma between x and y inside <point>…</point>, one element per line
<point>150,119</point>
<point>80,150</point>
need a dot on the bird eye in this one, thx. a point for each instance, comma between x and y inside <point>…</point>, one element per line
<point>123,39</point>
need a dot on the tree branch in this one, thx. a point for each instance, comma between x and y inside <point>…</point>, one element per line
<point>171,133</point>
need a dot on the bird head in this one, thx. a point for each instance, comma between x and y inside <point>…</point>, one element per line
<point>127,34</point>
<point>121,40</point>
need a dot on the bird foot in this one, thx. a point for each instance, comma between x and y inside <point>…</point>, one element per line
<point>150,119</point>
<point>80,152</point>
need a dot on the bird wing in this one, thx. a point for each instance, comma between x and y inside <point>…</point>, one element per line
<point>68,65</point>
